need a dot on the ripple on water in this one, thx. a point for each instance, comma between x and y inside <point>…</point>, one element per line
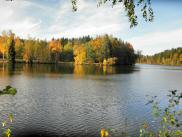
<point>71,105</point>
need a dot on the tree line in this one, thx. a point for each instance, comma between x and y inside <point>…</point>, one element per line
<point>167,57</point>
<point>104,49</point>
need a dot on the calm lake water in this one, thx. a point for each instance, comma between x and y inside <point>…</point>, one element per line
<point>78,101</point>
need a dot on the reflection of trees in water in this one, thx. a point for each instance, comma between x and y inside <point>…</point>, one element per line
<point>46,68</point>
<point>109,70</point>
<point>11,68</point>
<point>79,69</point>
<point>50,70</point>
<point>53,69</point>
<point>101,70</point>
<point>88,69</point>
<point>3,70</point>
<point>7,69</point>
<point>85,69</point>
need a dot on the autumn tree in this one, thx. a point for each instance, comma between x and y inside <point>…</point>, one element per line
<point>55,49</point>
<point>11,48</point>
<point>98,48</point>
<point>19,48</point>
<point>104,49</point>
<point>4,44</point>
<point>2,47</point>
<point>167,57</point>
<point>42,52</point>
<point>29,51</point>
<point>80,53</point>
<point>67,53</point>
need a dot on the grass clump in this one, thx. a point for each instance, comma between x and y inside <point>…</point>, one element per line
<point>8,90</point>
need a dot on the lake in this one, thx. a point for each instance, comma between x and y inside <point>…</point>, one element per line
<point>56,100</point>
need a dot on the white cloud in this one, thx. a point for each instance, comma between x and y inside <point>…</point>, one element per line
<point>157,41</point>
<point>88,20</point>
<point>12,17</point>
<point>22,17</point>
<point>44,20</point>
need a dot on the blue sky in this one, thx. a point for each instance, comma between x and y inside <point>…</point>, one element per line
<point>45,19</point>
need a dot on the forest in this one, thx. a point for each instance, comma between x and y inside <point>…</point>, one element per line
<point>104,49</point>
<point>167,57</point>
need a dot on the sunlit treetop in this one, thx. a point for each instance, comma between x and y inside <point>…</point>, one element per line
<point>130,8</point>
<point>55,45</point>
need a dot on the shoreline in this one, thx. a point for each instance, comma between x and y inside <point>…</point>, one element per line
<point>72,63</point>
<point>160,64</point>
<point>18,61</point>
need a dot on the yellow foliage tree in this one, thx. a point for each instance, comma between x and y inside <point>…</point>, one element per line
<point>80,53</point>
<point>3,45</point>
<point>19,47</point>
<point>101,47</point>
<point>97,43</point>
<point>2,49</point>
<point>28,56</point>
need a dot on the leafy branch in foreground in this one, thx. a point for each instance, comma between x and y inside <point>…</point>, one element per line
<point>6,126</point>
<point>169,117</point>
<point>130,9</point>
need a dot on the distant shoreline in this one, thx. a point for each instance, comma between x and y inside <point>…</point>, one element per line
<point>160,64</point>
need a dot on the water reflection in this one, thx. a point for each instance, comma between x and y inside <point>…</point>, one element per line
<point>11,68</point>
<point>51,69</point>
<point>80,100</point>
<point>7,69</point>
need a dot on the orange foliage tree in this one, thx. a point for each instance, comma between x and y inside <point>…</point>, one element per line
<point>102,47</point>
<point>3,45</point>
<point>55,48</point>
<point>2,48</point>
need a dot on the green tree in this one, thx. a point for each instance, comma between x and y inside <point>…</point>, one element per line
<point>167,57</point>
<point>29,51</point>
<point>11,49</point>
<point>91,56</point>
<point>67,53</point>
<point>41,51</point>
<point>19,48</point>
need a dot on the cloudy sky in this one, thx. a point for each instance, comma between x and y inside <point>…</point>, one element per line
<point>45,19</point>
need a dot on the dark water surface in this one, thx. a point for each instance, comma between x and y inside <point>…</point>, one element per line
<point>78,101</point>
